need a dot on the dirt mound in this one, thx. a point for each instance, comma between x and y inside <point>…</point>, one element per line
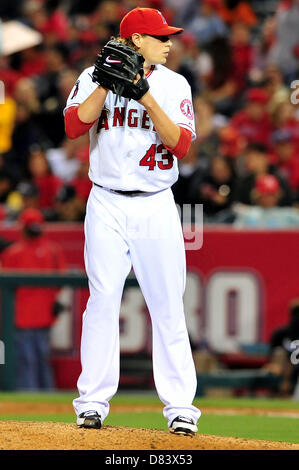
<point>27,435</point>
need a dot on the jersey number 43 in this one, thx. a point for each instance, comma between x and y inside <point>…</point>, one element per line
<point>150,161</point>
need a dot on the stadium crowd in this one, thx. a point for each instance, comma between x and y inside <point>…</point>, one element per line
<point>241,63</point>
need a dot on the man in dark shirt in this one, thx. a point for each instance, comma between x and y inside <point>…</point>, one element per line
<point>283,343</point>
<point>34,309</point>
<point>257,163</point>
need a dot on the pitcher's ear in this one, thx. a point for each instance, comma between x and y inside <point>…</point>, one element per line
<point>136,39</point>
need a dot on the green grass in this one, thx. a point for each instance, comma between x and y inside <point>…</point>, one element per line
<point>264,403</point>
<point>282,429</point>
<point>151,398</point>
<point>215,402</point>
<point>249,427</point>
<point>244,426</point>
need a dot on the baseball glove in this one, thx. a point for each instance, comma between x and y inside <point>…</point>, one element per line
<point>116,69</point>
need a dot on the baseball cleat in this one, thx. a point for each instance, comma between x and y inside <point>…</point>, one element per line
<point>89,419</point>
<point>183,425</point>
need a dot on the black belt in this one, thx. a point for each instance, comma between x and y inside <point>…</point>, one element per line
<point>124,193</point>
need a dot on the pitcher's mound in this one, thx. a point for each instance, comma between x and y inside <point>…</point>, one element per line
<point>27,435</point>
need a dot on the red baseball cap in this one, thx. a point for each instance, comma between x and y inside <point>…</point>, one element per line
<point>229,135</point>
<point>258,95</point>
<point>213,3</point>
<point>267,184</point>
<point>230,141</point>
<point>146,21</point>
<point>31,216</point>
<point>188,39</point>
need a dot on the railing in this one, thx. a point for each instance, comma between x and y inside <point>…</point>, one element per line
<point>9,282</point>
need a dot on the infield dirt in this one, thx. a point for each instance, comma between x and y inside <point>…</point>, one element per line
<point>28,435</point>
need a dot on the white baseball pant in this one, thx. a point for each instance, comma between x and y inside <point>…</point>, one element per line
<point>143,232</point>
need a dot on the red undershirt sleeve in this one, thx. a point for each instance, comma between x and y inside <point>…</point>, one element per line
<point>183,145</point>
<point>74,127</point>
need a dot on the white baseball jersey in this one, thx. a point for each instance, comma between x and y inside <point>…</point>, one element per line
<point>142,232</point>
<point>126,153</point>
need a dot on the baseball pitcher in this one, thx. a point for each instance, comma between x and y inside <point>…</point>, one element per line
<point>139,116</point>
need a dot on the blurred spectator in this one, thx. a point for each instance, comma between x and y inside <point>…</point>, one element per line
<point>207,25</point>
<point>232,143</point>
<point>28,129</point>
<point>219,85</point>
<point>238,64</point>
<point>195,59</point>
<point>257,162</point>
<point>30,195</point>
<point>84,45</point>
<point>32,62</point>
<point>6,185</point>
<point>68,206</point>
<point>242,56</point>
<point>261,47</point>
<point>7,120</point>
<point>49,19</point>
<point>66,81</point>
<point>8,75</point>
<point>281,349</point>
<point>283,51</point>
<point>253,122</point>
<point>176,62</point>
<point>285,157</point>
<point>183,11</point>
<point>187,167</point>
<point>81,181</point>
<point>63,160</point>
<point>285,119</point>
<point>34,306</point>
<point>265,212</point>
<point>49,92</point>
<point>207,142</point>
<point>27,133</point>
<point>237,11</point>
<point>41,175</point>
<point>4,243</point>
<point>25,196</point>
<point>266,192</point>
<point>274,86</point>
<point>214,188</point>
<point>25,93</point>
<point>106,18</point>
